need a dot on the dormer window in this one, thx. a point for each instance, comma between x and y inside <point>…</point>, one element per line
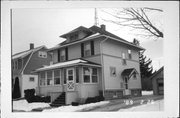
<point>73,37</point>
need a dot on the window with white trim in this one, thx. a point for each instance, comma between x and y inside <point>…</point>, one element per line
<point>129,54</point>
<point>70,75</point>
<point>86,74</point>
<point>124,60</point>
<point>57,77</point>
<point>49,78</point>
<point>87,49</point>
<point>42,54</point>
<point>42,78</point>
<point>113,71</point>
<point>90,75</point>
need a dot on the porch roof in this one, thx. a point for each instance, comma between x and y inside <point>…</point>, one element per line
<point>67,64</point>
<point>128,72</point>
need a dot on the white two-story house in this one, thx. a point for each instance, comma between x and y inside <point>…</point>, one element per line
<point>91,62</point>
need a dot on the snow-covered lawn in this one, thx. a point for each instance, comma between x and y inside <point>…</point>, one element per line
<point>71,108</point>
<point>147,92</point>
<point>23,105</point>
<point>154,106</point>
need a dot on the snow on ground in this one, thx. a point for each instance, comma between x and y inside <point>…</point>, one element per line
<point>147,92</point>
<point>76,108</point>
<point>154,106</point>
<point>25,106</point>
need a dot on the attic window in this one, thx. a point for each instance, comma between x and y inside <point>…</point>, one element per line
<point>42,54</point>
<point>74,37</point>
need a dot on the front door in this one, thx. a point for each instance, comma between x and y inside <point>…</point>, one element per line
<point>70,79</point>
<point>127,91</point>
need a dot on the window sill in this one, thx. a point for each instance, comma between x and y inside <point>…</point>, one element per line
<point>50,85</point>
<point>90,83</point>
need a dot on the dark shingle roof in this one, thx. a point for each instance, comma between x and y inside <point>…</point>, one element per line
<point>96,29</point>
<point>80,28</point>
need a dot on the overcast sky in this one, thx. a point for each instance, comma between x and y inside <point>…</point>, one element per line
<point>44,26</point>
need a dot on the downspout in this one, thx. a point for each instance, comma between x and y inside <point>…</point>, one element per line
<point>102,63</point>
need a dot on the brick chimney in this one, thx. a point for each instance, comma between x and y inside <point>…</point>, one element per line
<point>103,27</point>
<point>31,46</point>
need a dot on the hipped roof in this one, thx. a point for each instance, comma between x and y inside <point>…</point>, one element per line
<point>67,64</point>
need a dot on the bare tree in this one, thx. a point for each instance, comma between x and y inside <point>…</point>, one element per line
<point>137,19</point>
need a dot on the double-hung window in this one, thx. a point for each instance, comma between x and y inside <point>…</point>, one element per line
<point>113,71</point>
<point>87,74</point>
<point>124,60</point>
<point>129,54</point>
<point>87,49</point>
<point>49,78</point>
<point>94,75</point>
<point>57,77</point>
<point>42,78</point>
<point>62,55</point>
<point>90,75</point>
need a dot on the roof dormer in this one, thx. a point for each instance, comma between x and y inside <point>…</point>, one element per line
<point>77,34</point>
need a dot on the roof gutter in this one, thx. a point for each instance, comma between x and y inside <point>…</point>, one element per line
<point>74,43</point>
<point>139,47</point>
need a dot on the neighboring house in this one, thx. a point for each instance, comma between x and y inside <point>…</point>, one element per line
<point>91,62</point>
<point>23,64</point>
<point>158,82</point>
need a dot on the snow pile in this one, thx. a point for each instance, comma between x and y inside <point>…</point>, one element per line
<point>76,108</point>
<point>25,106</point>
<point>154,106</point>
<point>147,92</point>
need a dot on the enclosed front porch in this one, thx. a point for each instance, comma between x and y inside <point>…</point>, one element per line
<point>76,81</point>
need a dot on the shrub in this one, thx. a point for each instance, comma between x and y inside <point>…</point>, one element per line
<point>30,97</point>
<point>74,103</point>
